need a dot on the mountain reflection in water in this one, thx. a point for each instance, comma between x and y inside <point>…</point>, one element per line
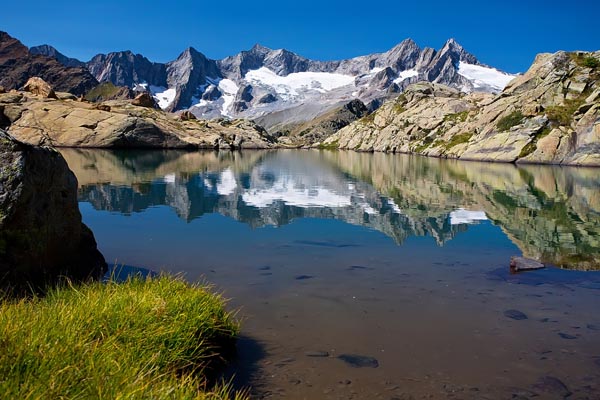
<point>551,213</point>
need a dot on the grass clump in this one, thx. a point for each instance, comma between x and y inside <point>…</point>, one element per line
<point>101,92</point>
<point>330,146</point>
<point>532,145</point>
<point>563,115</point>
<point>367,119</point>
<point>457,117</point>
<point>458,139</point>
<point>507,122</point>
<point>586,61</point>
<point>153,338</point>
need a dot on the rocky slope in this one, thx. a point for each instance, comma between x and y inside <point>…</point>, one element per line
<point>68,122</point>
<point>41,233</point>
<point>18,64</point>
<point>551,114</point>
<point>261,81</point>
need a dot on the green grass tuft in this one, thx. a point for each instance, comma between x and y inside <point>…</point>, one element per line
<point>101,92</point>
<point>330,146</point>
<point>586,61</point>
<point>458,139</point>
<point>158,338</point>
<point>563,115</point>
<point>367,119</point>
<point>457,117</point>
<point>532,146</point>
<point>512,119</point>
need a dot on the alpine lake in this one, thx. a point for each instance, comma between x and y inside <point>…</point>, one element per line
<point>369,276</point>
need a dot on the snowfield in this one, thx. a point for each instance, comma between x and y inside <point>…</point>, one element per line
<point>291,86</point>
<point>163,96</point>
<point>483,77</point>
<point>409,73</point>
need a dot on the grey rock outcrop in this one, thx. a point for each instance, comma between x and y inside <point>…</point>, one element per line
<point>41,234</point>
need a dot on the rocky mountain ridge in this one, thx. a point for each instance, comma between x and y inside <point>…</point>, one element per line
<point>18,64</point>
<point>261,81</point>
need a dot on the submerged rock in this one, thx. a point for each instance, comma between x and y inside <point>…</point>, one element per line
<point>41,234</point>
<point>317,354</point>
<point>515,314</point>
<point>566,336</point>
<point>550,384</point>
<point>358,361</point>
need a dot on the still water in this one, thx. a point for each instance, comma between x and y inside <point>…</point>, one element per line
<point>370,276</point>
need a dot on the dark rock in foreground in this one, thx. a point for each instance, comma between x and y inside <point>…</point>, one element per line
<point>41,234</point>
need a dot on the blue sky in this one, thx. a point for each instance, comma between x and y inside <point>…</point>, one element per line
<point>505,34</point>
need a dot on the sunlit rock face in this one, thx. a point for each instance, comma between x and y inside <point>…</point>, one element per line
<point>551,214</point>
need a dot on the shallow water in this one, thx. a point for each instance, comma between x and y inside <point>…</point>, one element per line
<point>370,276</point>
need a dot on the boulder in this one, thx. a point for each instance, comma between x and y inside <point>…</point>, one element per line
<point>42,238</point>
<point>39,87</point>
<point>144,100</point>
<point>186,116</point>
<point>65,96</point>
<point>518,264</point>
<point>2,90</point>
<point>103,107</point>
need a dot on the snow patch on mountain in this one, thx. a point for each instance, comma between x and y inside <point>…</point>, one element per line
<point>409,73</point>
<point>163,96</point>
<point>229,89</point>
<point>484,77</point>
<point>290,86</point>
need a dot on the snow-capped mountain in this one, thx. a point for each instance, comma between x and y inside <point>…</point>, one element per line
<point>261,81</point>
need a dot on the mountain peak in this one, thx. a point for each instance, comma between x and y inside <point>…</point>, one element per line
<point>458,52</point>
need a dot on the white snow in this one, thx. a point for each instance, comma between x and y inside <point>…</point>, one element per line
<point>163,96</point>
<point>285,190</point>
<point>462,216</point>
<point>169,178</point>
<point>226,184</point>
<point>228,89</point>
<point>375,70</point>
<point>409,73</point>
<point>369,210</point>
<point>484,77</point>
<point>291,85</point>
<point>394,206</point>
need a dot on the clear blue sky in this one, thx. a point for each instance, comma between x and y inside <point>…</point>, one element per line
<point>505,34</point>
